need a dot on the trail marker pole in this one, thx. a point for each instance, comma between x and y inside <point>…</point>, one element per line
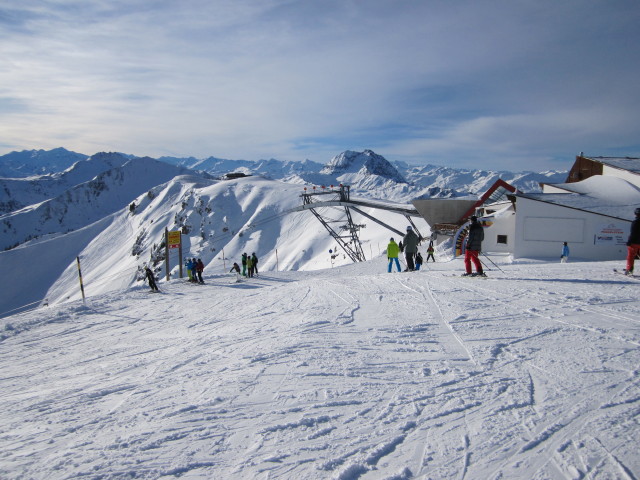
<point>166,251</point>
<point>180,255</point>
<point>80,277</point>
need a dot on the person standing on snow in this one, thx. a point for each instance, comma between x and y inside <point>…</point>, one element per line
<point>152,279</point>
<point>392,254</point>
<point>564,257</point>
<point>410,248</point>
<point>633,243</point>
<point>199,270</point>
<point>244,264</point>
<point>194,266</point>
<point>418,261</point>
<point>430,252</point>
<point>473,247</point>
<point>189,265</point>
<point>254,260</point>
<point>249,266</point>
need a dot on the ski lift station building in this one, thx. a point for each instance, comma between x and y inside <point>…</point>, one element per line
<point>592,211</point>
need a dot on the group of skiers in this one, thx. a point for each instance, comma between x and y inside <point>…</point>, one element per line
<point>249,265</point>
<point>196,267</point>
<point>194,270</point>
<point>408,246</point>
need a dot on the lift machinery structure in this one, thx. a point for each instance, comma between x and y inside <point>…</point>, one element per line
<point>347,234</point>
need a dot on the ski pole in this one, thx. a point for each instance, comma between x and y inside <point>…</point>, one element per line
<point>483,264</point>
<point>494,264</point>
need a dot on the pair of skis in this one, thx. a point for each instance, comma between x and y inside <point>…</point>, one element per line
<point>624,273</point>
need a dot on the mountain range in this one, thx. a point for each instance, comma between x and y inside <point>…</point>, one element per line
<point>34,176</point>
<point>111,209</point>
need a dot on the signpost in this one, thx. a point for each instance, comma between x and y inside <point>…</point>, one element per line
<point>173,240</point>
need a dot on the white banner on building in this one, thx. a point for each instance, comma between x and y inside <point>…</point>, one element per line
<point>610,234</point>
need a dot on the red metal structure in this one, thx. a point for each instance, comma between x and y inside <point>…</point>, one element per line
<point>497,191</point>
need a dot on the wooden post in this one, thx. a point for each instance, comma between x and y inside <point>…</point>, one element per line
<point>224,261</point>
<point>80,277</point>
<point>180,254</point>
<point>166,250</point>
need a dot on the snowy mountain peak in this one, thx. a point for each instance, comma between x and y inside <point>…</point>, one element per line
<point>366,163</point>
<point>37,162</point>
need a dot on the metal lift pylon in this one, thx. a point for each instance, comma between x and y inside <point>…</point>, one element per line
<point>350,242</point>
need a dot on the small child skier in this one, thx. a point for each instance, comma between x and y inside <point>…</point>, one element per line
<point>565,253</point>
<point>418,261</point>
<point>430,252</point>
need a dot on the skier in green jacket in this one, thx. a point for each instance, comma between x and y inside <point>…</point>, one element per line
<point>392,254</point>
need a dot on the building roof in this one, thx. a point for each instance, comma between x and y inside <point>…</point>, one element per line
<point>604,195</point>
<point>443,210</point>
<point>624,163</point>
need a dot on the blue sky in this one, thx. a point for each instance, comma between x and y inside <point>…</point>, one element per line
<point>510,84</point>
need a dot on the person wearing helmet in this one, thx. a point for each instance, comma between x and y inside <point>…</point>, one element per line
<point>473,247</point>
<point>410,248</point>
<point>633,243</point>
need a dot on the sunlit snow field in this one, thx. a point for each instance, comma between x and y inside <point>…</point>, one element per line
<point>345,373</point>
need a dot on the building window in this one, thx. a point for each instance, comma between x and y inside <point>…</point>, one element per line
<point>502,239</point>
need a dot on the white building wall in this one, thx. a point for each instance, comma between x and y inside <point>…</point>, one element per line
<point>630,177</point>
<point>504,226</point>
<point>540,229</point>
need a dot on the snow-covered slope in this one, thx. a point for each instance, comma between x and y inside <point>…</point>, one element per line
<point>220,220</point>
<point>215,215</point>
<point>439,181</point>
<point>346,373</point>
<point>17,193</point>
<point>348,166</point>
<point>368,174</point>
<point>87,202</point>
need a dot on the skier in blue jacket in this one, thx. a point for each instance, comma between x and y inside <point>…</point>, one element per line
<point>189,265</point>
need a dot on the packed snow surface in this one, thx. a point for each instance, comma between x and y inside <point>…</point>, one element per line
<point>345,373</point>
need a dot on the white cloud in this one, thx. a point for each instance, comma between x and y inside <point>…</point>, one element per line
<point>422,81</point>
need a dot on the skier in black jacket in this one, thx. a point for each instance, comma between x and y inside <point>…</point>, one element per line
<point>254,260</point>
<point>473,247</point>
<point>633,243</point>
<point>410,248</point>
<point>152,279</point>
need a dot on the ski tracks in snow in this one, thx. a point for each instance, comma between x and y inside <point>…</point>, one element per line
<point>350,377</point>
